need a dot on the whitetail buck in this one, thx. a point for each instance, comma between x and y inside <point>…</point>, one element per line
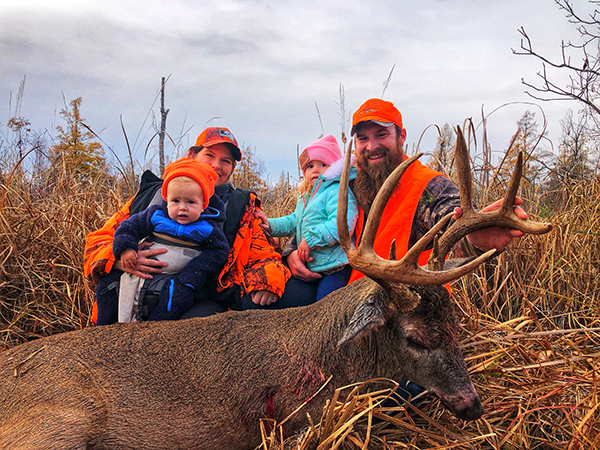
<point>205,383</point>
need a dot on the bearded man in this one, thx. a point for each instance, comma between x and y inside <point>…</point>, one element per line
<point>421,198</point>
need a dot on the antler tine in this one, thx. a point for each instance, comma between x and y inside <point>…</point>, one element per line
<point>513,186</point>
<point>463,168</point>
<point>342,214</point>
<point>472,220</point>
<point>408,271</point>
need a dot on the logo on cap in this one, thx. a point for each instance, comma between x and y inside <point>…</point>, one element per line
<point>226,133</point>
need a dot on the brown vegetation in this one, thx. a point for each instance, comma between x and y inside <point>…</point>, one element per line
<point>530,319</point>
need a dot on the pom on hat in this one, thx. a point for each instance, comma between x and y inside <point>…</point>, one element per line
<point>325,149</point>
<point>200,172</point>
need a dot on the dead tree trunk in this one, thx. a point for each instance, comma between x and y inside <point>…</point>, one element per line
<point>163,127</point>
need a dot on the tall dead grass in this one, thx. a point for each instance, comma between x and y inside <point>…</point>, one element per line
<point>43,224</point>
<point>530,322</point>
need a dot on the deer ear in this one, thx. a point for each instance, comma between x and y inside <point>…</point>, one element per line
<point>369,316</point>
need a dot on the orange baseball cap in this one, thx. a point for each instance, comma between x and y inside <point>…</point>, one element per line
<point>378,111</point>
<point>201,172</point>
<point>219,135</point>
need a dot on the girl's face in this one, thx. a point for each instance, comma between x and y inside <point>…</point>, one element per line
<point>218,157</point>
<point>313,169</point>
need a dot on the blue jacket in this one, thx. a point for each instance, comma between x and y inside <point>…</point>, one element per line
<point>209,238</point>
<point>315,220</point>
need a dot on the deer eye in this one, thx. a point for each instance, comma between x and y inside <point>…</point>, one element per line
<point>417,346</point>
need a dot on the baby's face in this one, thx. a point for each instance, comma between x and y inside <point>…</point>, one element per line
<point>185,201</point>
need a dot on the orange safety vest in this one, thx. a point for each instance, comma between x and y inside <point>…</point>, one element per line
<point>398,215</point>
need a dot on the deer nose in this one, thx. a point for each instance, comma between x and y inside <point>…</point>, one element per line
<point>472,411</point>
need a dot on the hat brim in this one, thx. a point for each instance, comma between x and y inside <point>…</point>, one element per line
<point>235,151</point>
<point>378,122</point>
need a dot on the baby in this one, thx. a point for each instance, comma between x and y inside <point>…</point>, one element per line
<point>183,217</point>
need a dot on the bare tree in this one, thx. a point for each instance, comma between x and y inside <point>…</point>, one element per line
<point>163,127</point>
<point>583,74</point>
<point>574,162</point>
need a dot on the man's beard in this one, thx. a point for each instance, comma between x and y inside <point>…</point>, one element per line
<point>371,177</point>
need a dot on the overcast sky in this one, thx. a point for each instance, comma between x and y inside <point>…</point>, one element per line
<point>259,67</point>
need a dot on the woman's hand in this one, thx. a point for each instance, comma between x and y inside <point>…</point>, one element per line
<point>144,265</point>
<point>299,269</point>
<point>263,298</point>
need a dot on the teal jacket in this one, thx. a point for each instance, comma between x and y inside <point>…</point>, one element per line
<point>314,219</point>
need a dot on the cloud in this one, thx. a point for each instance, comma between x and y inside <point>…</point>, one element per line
<point>262,66</point>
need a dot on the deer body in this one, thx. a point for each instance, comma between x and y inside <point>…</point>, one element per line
<point>205,383</point>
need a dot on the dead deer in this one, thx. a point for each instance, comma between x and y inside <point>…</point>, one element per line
<point>206,382</point>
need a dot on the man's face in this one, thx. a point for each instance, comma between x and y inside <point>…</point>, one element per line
<point>376,144</point>
<point>378,153</point>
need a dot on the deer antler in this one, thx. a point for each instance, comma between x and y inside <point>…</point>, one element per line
<point>472,220</point>
<point>406,270</point>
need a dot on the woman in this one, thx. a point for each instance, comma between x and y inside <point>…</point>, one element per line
<point>253,275</point>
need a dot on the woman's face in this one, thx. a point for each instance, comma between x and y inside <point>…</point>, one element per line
<point>218,157</point>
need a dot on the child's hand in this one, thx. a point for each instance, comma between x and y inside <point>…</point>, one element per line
<point>304,251</point>
<point>129,259</point>
<point>260,214</point>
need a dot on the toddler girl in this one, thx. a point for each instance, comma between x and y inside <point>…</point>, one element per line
<point>314,219</point>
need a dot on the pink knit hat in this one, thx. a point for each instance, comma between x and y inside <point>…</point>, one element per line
<point>325,149</point>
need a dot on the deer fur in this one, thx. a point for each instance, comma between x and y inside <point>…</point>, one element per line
<point>204,383</point>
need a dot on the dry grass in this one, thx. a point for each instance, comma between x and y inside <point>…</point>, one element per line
<point>530,323</point>
<point>43,224</point>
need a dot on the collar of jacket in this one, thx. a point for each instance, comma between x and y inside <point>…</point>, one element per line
<point>196,231</point>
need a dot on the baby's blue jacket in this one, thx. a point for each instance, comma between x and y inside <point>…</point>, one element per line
<point>314,219</point>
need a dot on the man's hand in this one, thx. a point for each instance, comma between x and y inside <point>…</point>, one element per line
<point>145,266</point>
<point>263,298</point>
<point>299,269</point>
<point>495,237</point>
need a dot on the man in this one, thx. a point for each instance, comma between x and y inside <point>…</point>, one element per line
<point>422,197</point>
